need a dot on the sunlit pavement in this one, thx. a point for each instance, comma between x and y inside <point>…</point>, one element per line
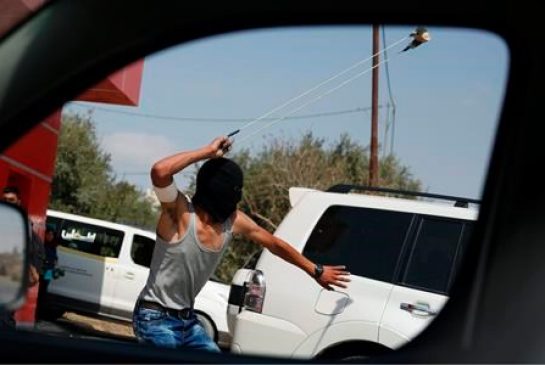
<point>66,328</point>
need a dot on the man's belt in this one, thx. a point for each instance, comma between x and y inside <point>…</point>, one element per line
<point>185,313</point>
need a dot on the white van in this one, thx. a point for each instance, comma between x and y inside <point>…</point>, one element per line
<point>402,255</point>
<point>106,266</point>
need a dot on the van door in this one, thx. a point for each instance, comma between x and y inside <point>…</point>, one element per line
<point>429,268</point>
<point>88,254</point>
<point>132,273</point>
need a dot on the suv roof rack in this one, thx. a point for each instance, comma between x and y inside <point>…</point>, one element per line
<point>347,188</point>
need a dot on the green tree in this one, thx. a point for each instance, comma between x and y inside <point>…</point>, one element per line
<point>82,169</point>
<point>84,182</point>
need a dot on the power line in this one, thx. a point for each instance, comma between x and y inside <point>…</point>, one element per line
<point>312,101</point>
<point>287,115</point>
<point>224,120</point>
<point>263,116</point>
<point>325,82</point>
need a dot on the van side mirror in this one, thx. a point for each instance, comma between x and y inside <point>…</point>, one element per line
<point>14,237</point>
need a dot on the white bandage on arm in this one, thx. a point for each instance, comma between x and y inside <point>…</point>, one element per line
<point>168,194</point>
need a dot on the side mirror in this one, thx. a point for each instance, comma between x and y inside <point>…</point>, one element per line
<point>14,237</point>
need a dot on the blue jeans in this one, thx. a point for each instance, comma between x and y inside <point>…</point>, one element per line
<point>161,329</point>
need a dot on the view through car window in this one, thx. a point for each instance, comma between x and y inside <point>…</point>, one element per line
<point>300,111</point>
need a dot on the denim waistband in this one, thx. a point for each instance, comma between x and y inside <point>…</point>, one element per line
<point>185,313</point>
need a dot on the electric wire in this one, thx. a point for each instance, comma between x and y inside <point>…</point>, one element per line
<point>292,100</point>
<point>279,119</point>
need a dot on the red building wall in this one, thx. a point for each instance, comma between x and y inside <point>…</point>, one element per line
<point>29,164</point>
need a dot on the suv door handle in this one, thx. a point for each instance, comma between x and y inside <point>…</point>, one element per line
<point>129,275</point>
<point>421,309</point>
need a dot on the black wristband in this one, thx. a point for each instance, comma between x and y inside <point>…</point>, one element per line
<point>318,271</point>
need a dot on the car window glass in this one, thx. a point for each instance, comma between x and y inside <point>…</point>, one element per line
<point>367,241</point>
<point>301,100</point>
<point>142,250</point>
<point>432,258</point>
<point>91,239</point>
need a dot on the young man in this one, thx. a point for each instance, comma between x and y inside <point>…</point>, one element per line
<point>192,235</point>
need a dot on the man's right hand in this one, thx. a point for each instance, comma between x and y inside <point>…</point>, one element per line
<point>219,147</point>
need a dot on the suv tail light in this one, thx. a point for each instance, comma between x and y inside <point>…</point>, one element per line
<point>255,292</point>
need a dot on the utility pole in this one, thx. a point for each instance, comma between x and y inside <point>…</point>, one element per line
<point>373,163</point>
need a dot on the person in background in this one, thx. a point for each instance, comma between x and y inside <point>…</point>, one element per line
<point>35,252</point>
<point>48,268</point>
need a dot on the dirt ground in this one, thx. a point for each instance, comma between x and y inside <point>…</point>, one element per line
<point>115,329</point>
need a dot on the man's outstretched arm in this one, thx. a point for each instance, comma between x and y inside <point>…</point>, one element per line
<point>332,275</point>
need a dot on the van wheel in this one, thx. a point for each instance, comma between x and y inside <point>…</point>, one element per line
<point>353,352</point>
<point>208,326</point>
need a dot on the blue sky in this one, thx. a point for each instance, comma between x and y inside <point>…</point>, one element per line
<point>448,94</point>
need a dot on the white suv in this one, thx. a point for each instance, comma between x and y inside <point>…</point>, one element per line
<point>402,255</point>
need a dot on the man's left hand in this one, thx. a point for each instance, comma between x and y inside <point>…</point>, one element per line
<point>334,276</point>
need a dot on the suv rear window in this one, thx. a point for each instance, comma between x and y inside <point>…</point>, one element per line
<point>367,241</point>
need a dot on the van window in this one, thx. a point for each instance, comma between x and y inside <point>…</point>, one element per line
<point>252,261</point>
<point>53,222</point>
<point>367,241</point>
<point>91,239</point>
<point>142,250</point>
<point>434,252</point>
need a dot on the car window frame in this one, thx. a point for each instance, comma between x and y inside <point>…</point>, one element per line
<point>501,194</point>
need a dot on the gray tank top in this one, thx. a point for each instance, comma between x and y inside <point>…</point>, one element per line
<point>179,270</point>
